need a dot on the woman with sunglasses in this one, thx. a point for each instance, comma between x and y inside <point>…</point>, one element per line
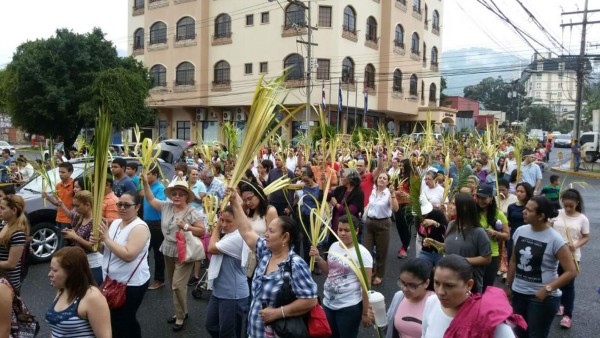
<point>81,230</point>
<point>176,215</point>
<point>126,243</point>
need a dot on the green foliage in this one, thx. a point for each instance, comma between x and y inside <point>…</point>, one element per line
<point>591,97</point>
<point>492,93</point>
<point>330,132</point>
<point>56,86</point>
<point>368,133</point>
<point>540,117</point>
<point>443,86</point>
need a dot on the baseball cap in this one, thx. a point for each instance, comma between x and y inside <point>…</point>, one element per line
<point>485,191</point>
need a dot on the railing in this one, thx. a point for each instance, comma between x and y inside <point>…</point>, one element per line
<point>399,44</point>
<point>184,83</point>
<point>185,37</point>
<point>221,83</point>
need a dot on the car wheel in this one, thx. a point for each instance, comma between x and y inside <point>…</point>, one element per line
<point>44,242</point>
<point>590,157</point>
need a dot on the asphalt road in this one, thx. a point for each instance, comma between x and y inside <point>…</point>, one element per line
<point>157,305</point>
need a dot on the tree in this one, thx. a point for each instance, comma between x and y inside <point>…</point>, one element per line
<point>55,86</point>
<point>443,86</point>
<point>540,117</point>
<point>592,99</point>
<point>492,93</point>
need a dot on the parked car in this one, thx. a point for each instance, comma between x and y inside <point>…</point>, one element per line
<point>45,235</point>
<point>6,145</point>
<point>172,150</point>
<point>419,136</point>
<point>120,148</point>
<point>562,141</point>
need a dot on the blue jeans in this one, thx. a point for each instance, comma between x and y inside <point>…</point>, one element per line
<point>431,257</point>
<point>225,317</point>
<point>97,275</point>
<point>568,295</point>
<point>538,315</point>
<point>344,322</point>
<point>61,240</point>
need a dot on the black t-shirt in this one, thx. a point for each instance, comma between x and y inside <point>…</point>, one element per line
<point>437,233</point>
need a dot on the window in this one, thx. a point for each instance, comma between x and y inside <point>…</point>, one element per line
<point>295,67</point>
<point>397,85</point>
<point>323,69</point>
<point>422,90</point>
<point>538,75</point>
<point>432,92</point>
<point>138,4</point>
<point>264,67</point>
<point>223,26</point>
<point>560,85</point>
<point>250,20</point>
<point>186,29</point>
<point>425,15</point>
<point>417,6</point>
<point>158,33</point>
<point>247,68</point>
<point>399,36</point>
<point>414,82</point>
<point>348,70</point>
<point>138,39</point>
<point>538,85</point>
<point>435,20</point>
<point>163,130</point>
<point>371,29</point>
<point>540,66</point>
<point>264,17</point>
<point>349,20</point>
<point>559,94</point>
<point>414,47</point>
<point>561,66</point>
<point>222,73</point>
<point>370,76</point>
<point>538,94</point>
<point>158,74</point>
<point>434,56</point>
<point>424,53</point>
<point>324,16</point>
<point>294,16</point>
<point>184,74</point>
<point>183,130</point>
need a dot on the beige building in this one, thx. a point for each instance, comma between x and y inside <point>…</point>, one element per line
<point>205,58</point>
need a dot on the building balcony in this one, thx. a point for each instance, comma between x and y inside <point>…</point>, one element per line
<point>401,4</point>
<point>397,93</point>
<point>158,45</point>
<point>412,97</point>
<point>183,87</point>
<point>138,50</point>
<point>137,11</point>
<point>415,55</point>
<point>426,25</point>
<point>348,85</point>
<point>435,30</point>
<point>154,4</point>
<point>221,86</point>
<point>185,41</point>
<point>177,2</point>
<point>293,30</point>
<point>222,39</point>
<point>372,42</point>
<point>349,35</point>
<point>416,13</point>
<point>160,89</point>
<point>434,67</point>
<point>372,90</point>
<point>295,83</point>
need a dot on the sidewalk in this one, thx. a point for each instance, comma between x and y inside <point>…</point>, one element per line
<point>564,167</point>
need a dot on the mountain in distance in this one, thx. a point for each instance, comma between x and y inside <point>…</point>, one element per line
<point>468,66</point>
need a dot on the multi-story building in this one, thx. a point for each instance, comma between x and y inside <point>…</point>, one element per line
<point>205,58</point>
<point>552,82</point>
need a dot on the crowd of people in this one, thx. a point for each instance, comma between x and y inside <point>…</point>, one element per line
<point>476,220</point>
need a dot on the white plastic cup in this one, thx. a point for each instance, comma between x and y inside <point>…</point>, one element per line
<point>377,301</point>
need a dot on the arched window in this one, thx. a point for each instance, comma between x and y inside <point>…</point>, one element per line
<point>397,86</point>
<point>370,76</point>
<point>417,6</point>
<point>186,29</point>
<point>138,4</point>
<point>158,33</point>
<point>294,16</point>
<point>138,39</point>
<point>432,92</point>
<point>425,15</point>
<point>184,74</point>
<point>399,36</point>
<point>294,64</point>
<point>434,56</point>
<point>422,90</point>
<point>371,29</point>
<point>158,74</point>
<point>424,53</point>
<point>222,73</point>
<point>414,46</point>
<point>349,19</point>
<point>414,82</point>
<point>348,70</point>
<point>223,26</point>
<point>435,20</point>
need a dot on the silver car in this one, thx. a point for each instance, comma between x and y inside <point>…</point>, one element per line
<point>562,141</point>
<point>6,145</point>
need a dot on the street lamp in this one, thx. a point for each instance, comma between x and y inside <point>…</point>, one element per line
<point>512,95</point>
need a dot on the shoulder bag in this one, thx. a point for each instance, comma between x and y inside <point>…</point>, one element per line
<point>114,291</point>
<point>23,323</point>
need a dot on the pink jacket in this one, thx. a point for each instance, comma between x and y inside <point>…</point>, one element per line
<point>481,314</point>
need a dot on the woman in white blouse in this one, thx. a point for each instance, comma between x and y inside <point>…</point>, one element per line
<point>433,191</point>
<point>382,203</point>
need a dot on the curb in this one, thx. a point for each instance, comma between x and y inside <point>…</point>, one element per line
<point>573,173</point>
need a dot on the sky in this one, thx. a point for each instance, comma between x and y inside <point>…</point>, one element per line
<point>465,23</point>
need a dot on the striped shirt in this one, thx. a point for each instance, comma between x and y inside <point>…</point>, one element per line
<point>13,275</point>
<point>67,323</point>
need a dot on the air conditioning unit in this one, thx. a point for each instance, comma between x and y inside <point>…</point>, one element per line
<point>226,116</point>
<point>240,116</point>
<point>200,114</point>
<point>213,116</point>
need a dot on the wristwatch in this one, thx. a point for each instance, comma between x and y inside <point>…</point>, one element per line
<point>548,288</point>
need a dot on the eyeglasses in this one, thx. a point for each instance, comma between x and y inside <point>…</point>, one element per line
<point>248,199</point>
<point>75,205</point>
<point>409,286</point>
<point>179,194</point>
<point>124,205</point>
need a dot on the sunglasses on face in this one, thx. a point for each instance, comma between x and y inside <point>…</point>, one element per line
<point>179,194</point>
<point>124,205</point>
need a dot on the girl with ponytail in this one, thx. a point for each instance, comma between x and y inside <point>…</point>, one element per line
<point>13,235</point>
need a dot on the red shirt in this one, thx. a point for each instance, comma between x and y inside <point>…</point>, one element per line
<point>366,184</point>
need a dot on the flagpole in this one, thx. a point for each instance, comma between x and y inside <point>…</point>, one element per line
<point>329,100</point>
<point>355,104</point>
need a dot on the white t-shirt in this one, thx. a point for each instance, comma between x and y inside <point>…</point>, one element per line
<point>578,226</point>
<point>436,322</point>
<point>435,195</point>
<point>342,288</point>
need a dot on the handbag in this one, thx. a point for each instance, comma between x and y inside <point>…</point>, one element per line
<point>23,323</point>
<point>289,327</point>
<point>318,326</point>
<point>189,247</point>
<point>114,291</point>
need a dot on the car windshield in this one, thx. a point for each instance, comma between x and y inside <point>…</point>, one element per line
<point>4,144</point>
<point>35,184</point>
<point>563,137</point>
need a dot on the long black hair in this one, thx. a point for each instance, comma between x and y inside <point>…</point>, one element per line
<point>492,209</point>
<point>573,195</point>
<point>544,206</point>
<point>466,214</point>
<point>263,204</point>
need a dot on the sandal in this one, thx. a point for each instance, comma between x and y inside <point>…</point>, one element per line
<point>377,281</point>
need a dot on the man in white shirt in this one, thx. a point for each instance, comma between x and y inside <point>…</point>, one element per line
<point>531,172</point>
